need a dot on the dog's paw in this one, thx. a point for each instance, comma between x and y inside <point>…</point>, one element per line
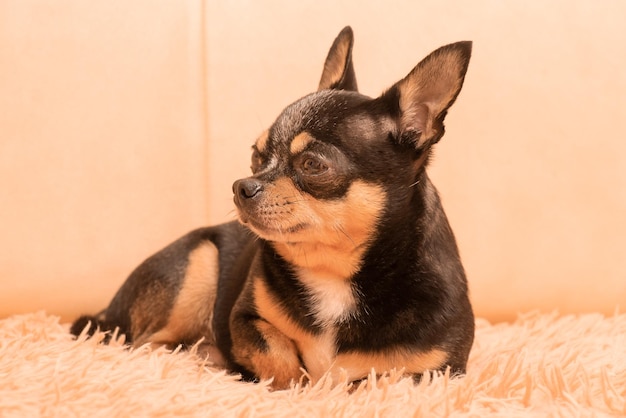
<point>280,361</point>
<point>276,359</point>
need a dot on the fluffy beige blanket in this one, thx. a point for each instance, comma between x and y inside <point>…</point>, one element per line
<point>541,365</point>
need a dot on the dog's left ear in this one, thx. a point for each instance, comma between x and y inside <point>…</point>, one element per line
<point>425,95</point>
<point>338,70</point>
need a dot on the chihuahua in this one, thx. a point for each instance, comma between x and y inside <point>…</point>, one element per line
<point>342,260</point>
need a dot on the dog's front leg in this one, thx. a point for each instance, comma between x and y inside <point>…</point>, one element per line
<point>263,349</point>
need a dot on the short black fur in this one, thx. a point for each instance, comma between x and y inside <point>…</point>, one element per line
<point>381,282</point>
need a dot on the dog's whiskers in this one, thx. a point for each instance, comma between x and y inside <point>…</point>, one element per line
<point>340,229</point>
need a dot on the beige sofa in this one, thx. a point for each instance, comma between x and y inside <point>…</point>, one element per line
<point>123,125</point>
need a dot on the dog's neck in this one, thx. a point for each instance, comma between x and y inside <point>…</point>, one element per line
<point>338,261</point>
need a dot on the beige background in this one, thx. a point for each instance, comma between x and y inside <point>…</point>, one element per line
<point>123,125</point>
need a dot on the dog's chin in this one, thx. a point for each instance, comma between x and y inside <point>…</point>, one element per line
<point>273,231</point>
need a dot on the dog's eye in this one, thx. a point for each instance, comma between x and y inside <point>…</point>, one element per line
<point>256,160</point>
<point>313,166</point>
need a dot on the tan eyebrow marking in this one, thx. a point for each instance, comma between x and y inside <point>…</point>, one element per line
<point>300,141</point>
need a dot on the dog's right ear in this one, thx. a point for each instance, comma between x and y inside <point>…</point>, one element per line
<point>338,70</point>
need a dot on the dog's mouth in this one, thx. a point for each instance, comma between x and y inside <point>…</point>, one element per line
<point>271,230</point>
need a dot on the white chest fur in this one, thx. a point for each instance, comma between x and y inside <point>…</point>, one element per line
<point>332,300</point>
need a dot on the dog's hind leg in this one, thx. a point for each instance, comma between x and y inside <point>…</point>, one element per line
<point>191,314</point>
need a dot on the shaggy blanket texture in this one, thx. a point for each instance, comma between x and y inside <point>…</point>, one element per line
<point>541,365</point>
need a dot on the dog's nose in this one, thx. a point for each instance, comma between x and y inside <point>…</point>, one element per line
<point>247,188</point>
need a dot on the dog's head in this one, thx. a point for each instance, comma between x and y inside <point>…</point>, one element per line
<point>334,162</point>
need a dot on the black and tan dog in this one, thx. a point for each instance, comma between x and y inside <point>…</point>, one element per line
<point>342,261</point>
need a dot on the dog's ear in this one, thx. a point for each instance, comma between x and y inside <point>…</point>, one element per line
<point>424,96</point>
<point>338,70</point>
